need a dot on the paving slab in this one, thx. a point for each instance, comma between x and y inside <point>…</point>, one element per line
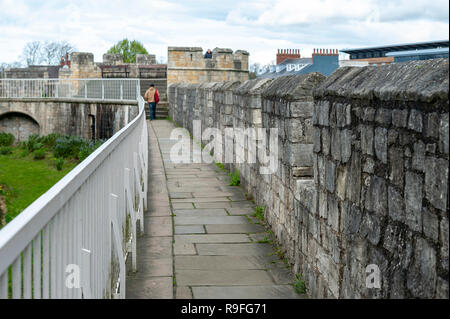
<point>200,212</point>
<point>162,220</point>
<point>236,211</point>
<point>215,238</point>
<point>201,200</point>
<point>211,220</point>
<point>182,205</point>
<point>151,288</point>
<point>198,277</point>
<point>157,230</point>
<point>191,229</point>
<point>246,292</point>
<point>183,248</point>
<point>158,247</point>
<point>214,205</point>
<point>234,249</point>
<point>154,267</point>
<point>219,262</point>
<point>234,229</point>
<point>183,293</point>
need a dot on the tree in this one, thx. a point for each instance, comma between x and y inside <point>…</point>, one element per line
<point>47,53</point>
<point>32,53</point>
<point>128,49</point>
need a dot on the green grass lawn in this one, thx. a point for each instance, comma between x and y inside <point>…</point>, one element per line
<point>23,179</point>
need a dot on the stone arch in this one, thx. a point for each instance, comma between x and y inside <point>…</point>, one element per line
<point>19,124</point>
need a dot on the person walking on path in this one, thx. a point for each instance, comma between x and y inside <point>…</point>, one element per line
<point>152,97</point>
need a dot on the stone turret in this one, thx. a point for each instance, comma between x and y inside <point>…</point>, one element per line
<point>187,64</point>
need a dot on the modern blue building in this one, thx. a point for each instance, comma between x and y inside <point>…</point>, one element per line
<point>404,56</point>
<point>399,52</point>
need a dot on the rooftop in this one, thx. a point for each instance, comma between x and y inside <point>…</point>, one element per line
<point>400,47</point>
<point>418,52</point>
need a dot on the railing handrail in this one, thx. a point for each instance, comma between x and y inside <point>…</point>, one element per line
<point>71,79</point>
<point>17,234</point>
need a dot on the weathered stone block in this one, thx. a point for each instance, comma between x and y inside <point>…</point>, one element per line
<point>400,117</point>
<point>430,224</point>
<point>432,125</point>
<point>415,121</point>
<point>421,277</point>
<point>325,141</point>
<point>413,200</point>
<point>418,159</point>
<point>368,114</point>
<point>354,189</point>
<point>444,134</point>
<point>443,227</point>
<point>396,172</point>
<point>333,213</point>
<point>367,138</point>
<point>330,176</point>
<point>346,145</point>
<point>436,182</point>
<point>383,116</point>
<point>323,109</point>
<point>376,198</point>
<point>396,205</point>
<point>371,228</point>
<point>381,144</point>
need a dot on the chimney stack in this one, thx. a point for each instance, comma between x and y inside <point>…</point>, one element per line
<point>283,54</point>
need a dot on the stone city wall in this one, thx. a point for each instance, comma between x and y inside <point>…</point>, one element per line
<point>362,171</point>
<point>23,117</point>
<point>188,65</point>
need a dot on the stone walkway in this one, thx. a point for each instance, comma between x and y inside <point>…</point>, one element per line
<point>203,243</point>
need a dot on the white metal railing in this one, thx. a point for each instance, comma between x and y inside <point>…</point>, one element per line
<point>72,242</point>
<point>96,89</point>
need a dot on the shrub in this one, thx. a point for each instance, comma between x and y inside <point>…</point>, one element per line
<point>6,139</point>
<point>32,140</point>
<point>23,153</point>
<point>299,285</point>
<point>235,178</point>
<point>50,140</point>
<point>37,146</point>
<point>68,146</point>
<point>87,149</point>
<point>39,154</point>
<point>259,213</point>
<point>59,162</point>
<point>5,150</point>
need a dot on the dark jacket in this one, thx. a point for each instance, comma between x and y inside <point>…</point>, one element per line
<point>208,55</point>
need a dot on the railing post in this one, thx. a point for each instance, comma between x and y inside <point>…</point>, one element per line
<point>85,90</point>
<point>57,88</point>
<point>86,273</point>
<point>138,88</point>
<point>121,89</point>
<point>103,90</point>
<point>23,88</point>
<point>118,242</point>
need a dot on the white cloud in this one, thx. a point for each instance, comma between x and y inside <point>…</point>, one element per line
<point>259,27</point>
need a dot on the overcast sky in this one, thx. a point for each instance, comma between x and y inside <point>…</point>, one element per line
<point>259,26</point>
